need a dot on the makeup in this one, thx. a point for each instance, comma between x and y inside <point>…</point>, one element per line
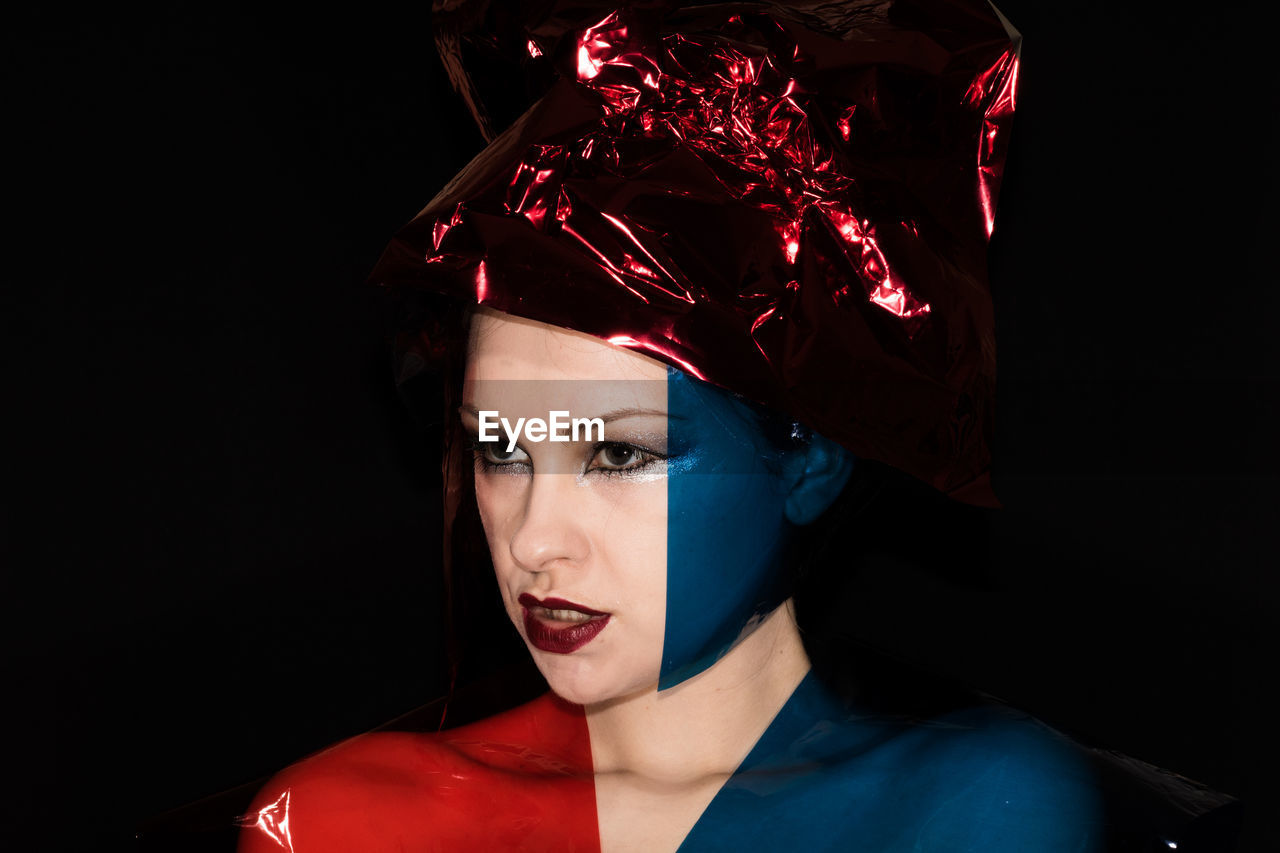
<point>726,529</point>
<point>559,626</point>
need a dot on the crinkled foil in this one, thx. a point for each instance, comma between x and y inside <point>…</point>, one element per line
<point>790,201</point>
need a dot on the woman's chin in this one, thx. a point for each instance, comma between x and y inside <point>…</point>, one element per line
<point>586,682</point>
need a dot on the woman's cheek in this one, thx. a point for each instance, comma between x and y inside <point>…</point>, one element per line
<point>633,513</point>
<point>484,503</point>
<point>633,534</point>
<point>497,498</point>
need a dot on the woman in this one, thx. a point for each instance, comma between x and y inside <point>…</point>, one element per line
<point>742,247</point>
<point>623,563</point>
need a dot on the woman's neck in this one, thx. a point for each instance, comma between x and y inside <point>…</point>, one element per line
<point>708,724</point>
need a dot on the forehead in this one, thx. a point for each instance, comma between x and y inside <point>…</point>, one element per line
<point>503,347</point>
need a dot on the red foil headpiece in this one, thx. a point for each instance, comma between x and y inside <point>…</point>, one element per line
<point>789,201</point>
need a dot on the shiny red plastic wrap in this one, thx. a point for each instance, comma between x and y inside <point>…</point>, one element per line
<point>792,202</point>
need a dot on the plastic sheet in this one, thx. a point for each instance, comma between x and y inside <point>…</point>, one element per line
<point>778,199</point>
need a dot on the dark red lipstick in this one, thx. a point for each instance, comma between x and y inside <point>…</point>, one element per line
<point>560,636</point>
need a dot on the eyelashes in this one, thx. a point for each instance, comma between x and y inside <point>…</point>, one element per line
<point>492,455</point>
<point>622,459</point>
<point>608,458</point>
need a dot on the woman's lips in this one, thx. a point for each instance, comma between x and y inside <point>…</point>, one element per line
<point>559,626</point>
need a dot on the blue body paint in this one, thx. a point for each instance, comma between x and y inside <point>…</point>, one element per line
<point>822,778</point>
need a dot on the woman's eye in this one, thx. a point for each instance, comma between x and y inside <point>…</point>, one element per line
<point>622,457</point>
<point>493,454</point>
<point>499,454</point>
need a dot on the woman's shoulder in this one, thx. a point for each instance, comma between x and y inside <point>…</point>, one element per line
<point>993,778</point>
<point>992,736</point>
<point>352,795</point>
<point>428,791</point>
<point>980,779</point>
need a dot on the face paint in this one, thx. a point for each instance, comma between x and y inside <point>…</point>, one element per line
<point>726,527</point>
<point>665,539</point>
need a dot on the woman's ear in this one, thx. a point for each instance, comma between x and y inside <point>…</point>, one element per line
<point>817,472</point>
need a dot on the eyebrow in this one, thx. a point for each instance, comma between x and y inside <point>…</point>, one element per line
<point>613,415</point>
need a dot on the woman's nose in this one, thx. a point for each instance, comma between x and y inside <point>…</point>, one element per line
<point>552,530</point>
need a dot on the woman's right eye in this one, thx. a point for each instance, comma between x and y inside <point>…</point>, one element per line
<point>494,454</point>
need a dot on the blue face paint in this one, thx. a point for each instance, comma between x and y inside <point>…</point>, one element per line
<point>726,527</point>
<point>821,777</point>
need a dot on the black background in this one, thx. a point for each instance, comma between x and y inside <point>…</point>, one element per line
<point>225,536</point>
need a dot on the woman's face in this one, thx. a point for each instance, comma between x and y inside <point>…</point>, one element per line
<point>632,557</point>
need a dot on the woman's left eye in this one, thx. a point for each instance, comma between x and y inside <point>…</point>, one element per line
<point>617,458</point>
